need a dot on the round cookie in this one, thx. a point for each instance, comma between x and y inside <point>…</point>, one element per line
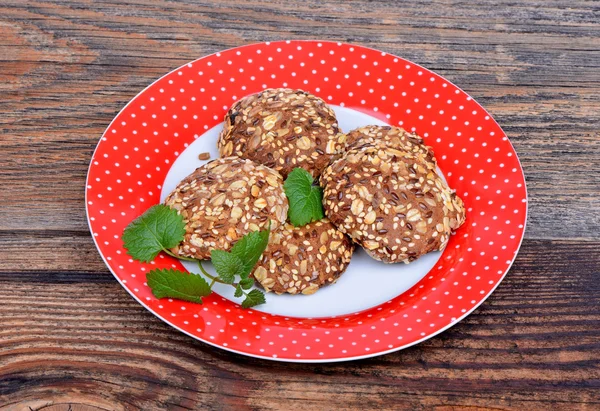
<point>390,203</point>
<point>303,259</point>
<point>394,137</point>
<point>224,200</point>
<point>282,129</point>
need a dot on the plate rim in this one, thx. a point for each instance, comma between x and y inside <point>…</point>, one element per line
<point>301,360</point>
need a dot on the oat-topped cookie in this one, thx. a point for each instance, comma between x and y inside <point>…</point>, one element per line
<point>282,129</point>
<point>390,203</point>
<point>302,259</point>
<point>394,137</point>
<point>224,200</point>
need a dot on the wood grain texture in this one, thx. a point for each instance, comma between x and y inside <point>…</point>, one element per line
<point>72,338</point>
<point>535,344</point>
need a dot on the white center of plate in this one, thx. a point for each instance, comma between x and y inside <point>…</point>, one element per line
<point>366,282</point>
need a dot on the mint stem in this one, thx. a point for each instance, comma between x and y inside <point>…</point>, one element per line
<point>212,277</point>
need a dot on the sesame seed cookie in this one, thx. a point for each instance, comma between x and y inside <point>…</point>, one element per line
<point>394,137</point>
<point>282,129</point>
<point>224,200</point>
<point>390,203</point>
<point>303,259</point>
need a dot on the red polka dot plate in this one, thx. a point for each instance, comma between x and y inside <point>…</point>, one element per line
<point>374,308</point>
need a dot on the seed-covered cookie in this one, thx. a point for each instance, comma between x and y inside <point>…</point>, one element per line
<point>282,129</point>
<point>394,137</point>
<point>303,259</point>
<point>390,203</point>
<point>224,200</point>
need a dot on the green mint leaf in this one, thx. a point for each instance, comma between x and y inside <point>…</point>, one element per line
<point>177,284</point>
<point>160,227</point>
<point>249,249</point>
<point>254,297</point>
<point>238,291</point>
<point>228,265</point>
<point>305,199</point>
<point>246,283</point>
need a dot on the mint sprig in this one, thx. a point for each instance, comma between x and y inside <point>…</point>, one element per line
<point>161,228</point>
<point>158,229</point>
<point>254,297</point>
<point>177,284</point>
<point>238,291</point>
<point>227,265</point>
<point>305,199</point>
<point>239,262</point>
<point>249,249</point>
<point>246,283</point>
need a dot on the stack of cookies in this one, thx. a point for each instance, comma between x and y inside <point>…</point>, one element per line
<point>381,190</point>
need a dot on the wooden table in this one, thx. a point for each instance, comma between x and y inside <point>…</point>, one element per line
<point>71,336</point>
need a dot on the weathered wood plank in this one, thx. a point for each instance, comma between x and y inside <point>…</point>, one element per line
<point>535,343</point>
<point>69,68</point>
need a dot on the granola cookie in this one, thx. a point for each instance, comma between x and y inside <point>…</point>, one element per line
<point>224,200</point>
<point>303,259</point>
<point>394,137</point>
<point>390,203</point>
<point>282,129</point>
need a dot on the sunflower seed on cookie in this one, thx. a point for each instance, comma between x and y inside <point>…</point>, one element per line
<point>300,260</point>
<point>282,129</point>
<point>225,199</point>
<point>394,137</point>
<point>390,202</point>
